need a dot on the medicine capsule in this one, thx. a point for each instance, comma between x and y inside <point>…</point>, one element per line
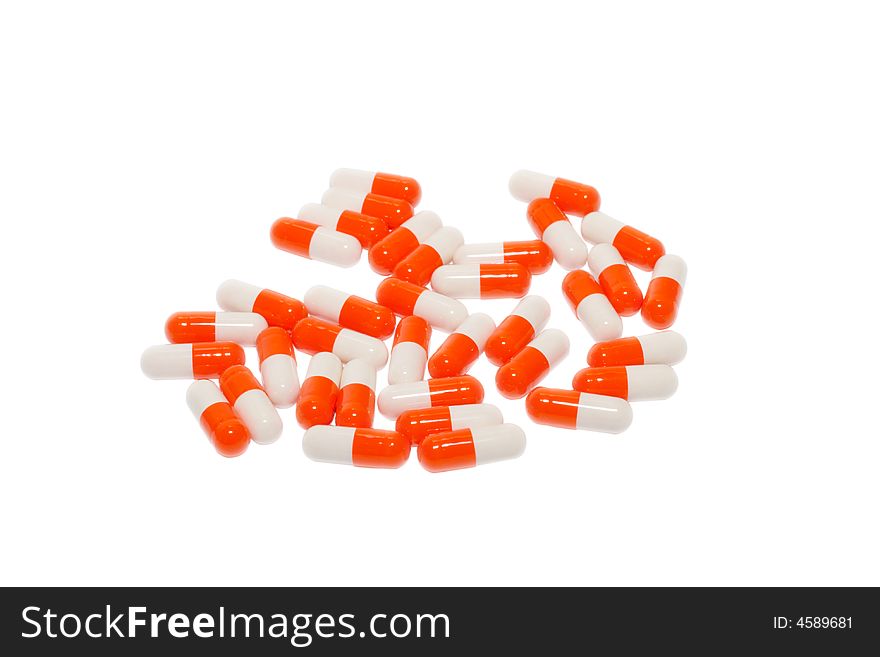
<point>553,227</point>
<point>665,347</point>
<point>393,211</point>
<point>525,370</point>
<point>482,281</point>
<point>462,347</point>
<point>278,366</point>
<point>571,197</point>
<point>199,360</point>
<point>570,409</point>
<point>365,229</point>
<point>517,329</point>
<point>591,306</point>
<point>313,335</point>
<point>350,311</point>
<point>467,448</point>
<point>366,448</point>
<point>419,423</point>
<point>402,241</point>
<point>409,351</point>
<point>225,429</point>
<point>434,252</point>
<point>276,308</point>
<point>663,296</point>
<point>616,279</point>
<point>450,391</point>
<point>534,255</point>
<point>630,382</point>
<point>384,184</point>
<point>241,328</point>
<point>404,299</point>
<point>634,246</point>
<point>251,403</point>
<point>317,397</point>
<point>356,402</point>
<point>315,242</point>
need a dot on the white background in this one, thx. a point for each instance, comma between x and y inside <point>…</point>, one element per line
<point>145,149</point>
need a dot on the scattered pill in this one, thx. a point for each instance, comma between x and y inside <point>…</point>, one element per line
<point>199,360</point>
<point>409,351</point>
<point>356,402</point>
<point>663,348</point>
<point>317,397</point>
<point>225,429</point>
<point>405,298</point>
<point>554,228</point>
<point>570,409</point>
<point>421,422</point>
<point>615,278</point>
<point>278,366</point>
<point>276,308</point>
<point>434,252</point>
<point>315,242</point>
<point>484,281</point>
<point>534,255</point>
<point>630,382</point>
<point>517,329</point>
<point>384,184</point>
<point>527,368</point>
<point>365,229</point>
<point>393,211</point>
<point>466,448</point>
<point>663,295</point>
<point>591,306</point>
<point>462,347</point>
<point>402,241</point>
<point>634,246</point>
<point>450,391</point>
<point>251,403</point>
<point>572,197</point>
<point>366,448</point>
<point>313,335</point>
<point>350,311</point>
<point>241,328</point>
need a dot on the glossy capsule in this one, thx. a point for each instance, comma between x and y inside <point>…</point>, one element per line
<point>534,255</point>
<point>350,311</point>
<point>630,382</point>
<point>403,240</point>
<point>553,227</point>
<point>571,197</point>
<point>570,409</point>
<point>276,308</point>
<point>592,307</point>
<point>634,246</point>
<point>482,281</point>
<point>393,211</point>
<point>434,252</point>
<point>462,347</point>
<point>663,296</point>
<point>365,229</point>
<point>517,329</point>
<point>356,403</point>
<point>366,448</point>
<point>409,351</point>
<point>419,423</point>
<point>663,348</point>
<point>199,360</point>
<point>466,448</point>
<point>313,335</point>
<point>525,370</point>
<point>317,397</point>
<point>451,391</point>
<point>241,328</point>
<point>615,278</point>
<point>404,299</point>
<point>251,404</point>
<point>278,366</point>
<point>223,427</point>
<point>384,184</point>
<point>315,242</point>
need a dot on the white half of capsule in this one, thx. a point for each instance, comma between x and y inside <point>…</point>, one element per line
<point>671,266</point>
<point>440,311</point>
<point>168,361</point>
<point>527,185</point>
<point>329,444</point>
<point>322,215</point>
<point>280,379</point>
<point>457,281</point>
<point>650,382</point>
<point>535,310</point>
<point>567,246</point>
<point>259,416</point>
<point>325,302</point>
<point>468,416</point>
<point>327,365</point>
<point>358,371</point>
<point>599,228</point>
<point>553,343</point>
<point>423,224</point>
<point>663,347</point>
<point>478,327</point>
<point>602,256</point>
<point>396,399</point>
<point>445,241</point>
<point>237,295</point>
<point>407,363</point>
<point>597,314</point>
<point>352,344</point>
<point>354,180</point>
<point>473,254</point>
<point>239,327</point>
<point>344,199</point>
<point>603,413</point>
<point>202,394</point>
<point>331,246</point>
<point>499,442</point>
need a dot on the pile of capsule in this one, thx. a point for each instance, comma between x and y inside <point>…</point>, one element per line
<point>444,416</point>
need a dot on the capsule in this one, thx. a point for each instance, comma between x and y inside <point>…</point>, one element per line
<point>630,382</point>
<point>434,252</point>
<point>419,423</point>
<point>570,409</point>
<point>350,311</point>
<point>224,428</point>
<point>525,370</point>
<point>317,397</point>
<point>663,296</point>
<point>315,242</point>
<point>199,360</point>
<point>251,403</point>
<point>313,335</point>
<point>553,227</point>
<point>365,448</point>
<point>276,308</point>
<point>409,351</point>
<point>663,348</point>
<point>462,347</point>
<point>393,211</point>
<point>365,229</point>
<point>278,366</point>
<point>404,299</point>
<point>450,391</point>
<point>482,281</point>
<point>634,246</point>
<point>402,241</point>
<point>356,402</point>
<point>466,448</point>
<point>534,255</point>
<point>591,306</point>
<point>616,280</point>
<point>384,184</point>
<point>571,197</point>
<point>517,329</point>
<point>241,328</point>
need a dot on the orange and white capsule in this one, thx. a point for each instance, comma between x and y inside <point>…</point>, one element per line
<point>634,246</point>
<point>423,422</point>
<point>320,389</point>
<point>462,347</point>
<point>405,298</point>
<point>409,351</point>
<point>570,409</point>
<point>253,406</point>
<point>199,360</point>
<point>276,308</point>
<point>525,370</point>
<point>225,429</point>
<point>592,307</point>
<point>241,328</point>
<point>534,255</point>
<point>278,366</point>
<point>356,402</point>
<point>365,229</point>
<point>313,335</point>
<point>315,242</point>
<point>450,391</point>
<point>482,281</point>
<point>553,227</point>
<point>630,382</point>
<point>517,329</point>
<point>466,448</point>
<point>571,197</point>
<point>663,348</point>
<point>376,182</point>
<point>366,448</point>
<point>393,211</point>
<point>402,241</point>
<point>350,311</point>
<point>663,296</point>
<point>434,252</point>
<point>617,281</point>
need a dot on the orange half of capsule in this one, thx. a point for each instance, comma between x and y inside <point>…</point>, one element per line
<point>609,381</point>
<point>534,255</point>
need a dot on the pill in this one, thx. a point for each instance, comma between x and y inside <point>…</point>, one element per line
<point>527,368</point>
<point>199,360</point>
<point>634,246</point>
<point>405,298</point>
<point>591,306</point>
<point>419,423</point>
<point>553,227</point>
<point>466,448</point>
<point>320,388</point>
<point>278,366</point>
<point>366,448</point>
<point>615,278</point>
<point>435,251</point>
<point>223,427</point>
<point>239,327</point>
<point>356,402</point>
<point>350,311</point>
<point>393,211</point>
<point>449,391</point>
<point>664,348</point>
<point>384,184</point>
<point>534,255</point>
<point>276,308</point>
<point>251,404</point>
<point>402,241</point>
<point>409,351</point>
<point>315,242</point>
<point>365,229</point>
<point>570,409</point>
<point>517,329</point>
<point>663,296</point>
<point>571,197</point>
<point>630,382</point>
<point>313,335</point>
<point>462,347</point>
<point>484,281</point>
